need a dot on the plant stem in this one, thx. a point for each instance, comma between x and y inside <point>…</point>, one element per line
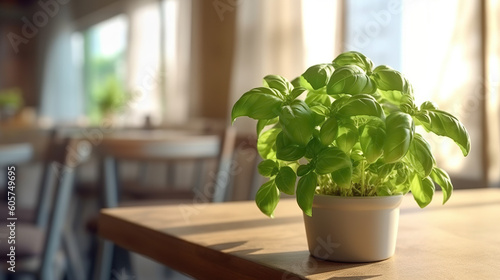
<point>362,177</point>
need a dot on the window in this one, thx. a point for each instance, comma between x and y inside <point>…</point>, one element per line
<point>104,47</point>
<point>135,65</point>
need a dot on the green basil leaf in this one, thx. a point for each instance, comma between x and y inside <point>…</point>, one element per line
<point>421,117</point>
<point>393,96</point>
<point>267,168</point>
<point>388,79</point>
<point>328,131</point>
<point>315,98</point>
<point>347,136</point>
<point>313,148</point>
<point>444,124</point>
<point>407,105</point>
<point>372,138</point>
<point>400,188</point>
<point>266,143</point>
<point>338,103</point>
<point>350,79</point>
<point>422,190</point>
<point>342,177</point>
<point>331,159</point>
<point>353,58</point>
<point>267,198</point>
<point>384,190</point>
<point>420,156</point>
<point>279,83</point>
<point>317,119</point>
<point>305,192</point>
<point>361,104</point>
<point>403,173</point>
<point>295,82</point>
<point>285,180</point>
<point>442,178</point>
<point>385,170</point>
<point>258,103</point>
<point>321,110</point>
<point>297,122</point>
<point>399,135</point>
<point>287,150</point>
<point>428,105</point>
<point>316,76</point>
<point>296,92</point>
<point>356,153</point>
<point>303,170</point>
<point>263,123</point>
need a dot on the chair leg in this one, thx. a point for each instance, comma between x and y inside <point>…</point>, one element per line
<point>56,225</point>
<point>122,263</point>
<point>111,260</point>
<point>104,260</point>
<point>75,264</point>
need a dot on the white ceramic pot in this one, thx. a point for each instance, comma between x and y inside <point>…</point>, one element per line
<point>353,229</point>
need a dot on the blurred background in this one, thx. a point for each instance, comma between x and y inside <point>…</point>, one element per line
<point>155,64</point>
<point>163,62</point>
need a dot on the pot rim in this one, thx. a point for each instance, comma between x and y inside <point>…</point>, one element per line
<point>357,202</point>
<point>360,197</point>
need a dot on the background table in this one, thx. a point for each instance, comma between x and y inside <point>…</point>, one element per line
<point>15,153</point>
<point>460,240</point>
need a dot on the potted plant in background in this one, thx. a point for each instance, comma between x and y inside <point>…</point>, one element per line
<point>346,130</point>
<point>109,99</point>
<point>11,101</point>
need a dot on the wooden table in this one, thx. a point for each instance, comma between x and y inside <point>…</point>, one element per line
<point>460,240</point>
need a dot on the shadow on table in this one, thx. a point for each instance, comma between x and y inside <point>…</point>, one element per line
<point>303,264</point>
<point>236,225</point>
<point>355,277</point>
<point>447,207</point>
<point>296,264</point>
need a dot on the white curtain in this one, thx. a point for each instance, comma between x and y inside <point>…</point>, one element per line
<point>281,37</point>
<point>61,97</point>
<point>492,87</point>
<point>268,41</point>
<point>441,56</point>
<point>143,65</point>
<point>157,62</point>
<point>177,34</point>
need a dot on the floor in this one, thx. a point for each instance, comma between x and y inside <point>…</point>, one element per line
<point>147,269</point>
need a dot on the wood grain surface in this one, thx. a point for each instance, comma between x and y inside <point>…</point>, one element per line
<point>460,240</point>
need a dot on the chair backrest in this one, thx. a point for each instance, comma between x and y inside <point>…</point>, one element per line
<point>161,149</point>
<point>53,159</point>
<point>61,159</point>
<point>168,147</point>
<point>15,153</point>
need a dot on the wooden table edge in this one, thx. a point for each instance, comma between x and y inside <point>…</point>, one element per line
<point>123,233</point>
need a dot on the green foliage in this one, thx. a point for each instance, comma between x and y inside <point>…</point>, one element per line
<point>111,97</point>
<point>258,103</point>
<point>267,198</point>
<point>305,192</point>
<point>105,86</point>
<point>346,128</point>
<point>11,98</point>
<point>399,135</point>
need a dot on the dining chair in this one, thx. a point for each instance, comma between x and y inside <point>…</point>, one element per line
<point>44,248</point>
<point>172,149</point>
<point>15,153</point>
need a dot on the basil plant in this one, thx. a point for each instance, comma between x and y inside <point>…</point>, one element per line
<point>347,129</point>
